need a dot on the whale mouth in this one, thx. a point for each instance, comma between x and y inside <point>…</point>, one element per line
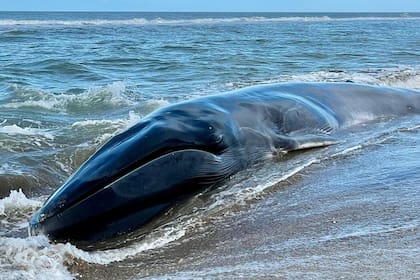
<point>151,158</point>
<point>129,198</point>
<point>108,181</point>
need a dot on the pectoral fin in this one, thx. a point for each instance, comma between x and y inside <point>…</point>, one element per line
<point>301,142</point>
<point>313,141</point>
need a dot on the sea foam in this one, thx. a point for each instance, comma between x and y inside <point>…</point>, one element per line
<point>28,131</point>
<point>17,200</point>
<point>195,21</point>
<point>34,257</point>
<point>403,77</point>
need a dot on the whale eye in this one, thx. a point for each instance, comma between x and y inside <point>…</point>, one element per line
<point>215,135</point>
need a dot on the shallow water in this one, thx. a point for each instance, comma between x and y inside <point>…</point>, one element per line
<point>69,81</point>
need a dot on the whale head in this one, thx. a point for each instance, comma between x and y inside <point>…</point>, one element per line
<point>139,173</point>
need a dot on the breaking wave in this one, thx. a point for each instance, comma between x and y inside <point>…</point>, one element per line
<point>403,77</point>
<point>111,96</point>
<point>194,21</point>
<point>28,131</point>
<point>17,201</point>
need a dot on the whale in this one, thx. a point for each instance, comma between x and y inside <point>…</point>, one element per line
<point>181,149</point>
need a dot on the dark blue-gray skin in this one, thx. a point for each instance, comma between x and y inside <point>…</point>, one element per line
<point>180,149</point>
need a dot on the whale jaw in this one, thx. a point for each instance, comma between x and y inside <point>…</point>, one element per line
<point>130,201</point>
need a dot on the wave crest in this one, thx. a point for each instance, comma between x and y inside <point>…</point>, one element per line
<point>107,97</point>
<point>403,77</point>
<point>195,21</point>
<point>17,200</point>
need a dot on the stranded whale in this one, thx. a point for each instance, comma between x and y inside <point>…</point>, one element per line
<point>182,148</point>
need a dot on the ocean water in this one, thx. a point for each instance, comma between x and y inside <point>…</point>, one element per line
<point>70,81</point>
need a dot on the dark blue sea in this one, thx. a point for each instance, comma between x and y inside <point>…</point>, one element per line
<point>70,81</point>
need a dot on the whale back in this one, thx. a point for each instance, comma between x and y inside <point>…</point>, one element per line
<point>305,115</point>
<point>353,103</point>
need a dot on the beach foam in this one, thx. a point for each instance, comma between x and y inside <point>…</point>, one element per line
<point>32,258</point>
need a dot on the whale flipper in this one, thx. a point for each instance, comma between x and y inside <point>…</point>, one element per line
<point>312,141</point>
<point>301,142</point>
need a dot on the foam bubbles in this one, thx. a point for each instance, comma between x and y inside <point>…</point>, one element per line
<point>28,131</point>
<point>36,258</point>
<point>17,201</point>
<point>33,258</point>
<point>403,77</point>
<point>257,184</point>
<point>156,239</point>
<point>395,77</point>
